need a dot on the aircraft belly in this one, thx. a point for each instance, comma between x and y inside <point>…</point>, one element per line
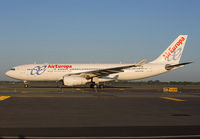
<point>131,76</point>
<point>140,74</point>
<point>45,77</point>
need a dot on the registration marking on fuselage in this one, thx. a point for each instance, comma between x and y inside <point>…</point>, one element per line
<point>4,97</point>
<point>174,99</point>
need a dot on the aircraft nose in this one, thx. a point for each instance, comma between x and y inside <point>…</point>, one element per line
<point>8,73</point>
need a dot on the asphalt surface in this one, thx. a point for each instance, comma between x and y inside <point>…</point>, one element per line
<point>111,112</point>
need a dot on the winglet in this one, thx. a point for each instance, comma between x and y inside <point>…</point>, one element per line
<point>142,62</point>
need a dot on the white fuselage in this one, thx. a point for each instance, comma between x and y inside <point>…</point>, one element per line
<point>56,72</point>
<point>79,74</point>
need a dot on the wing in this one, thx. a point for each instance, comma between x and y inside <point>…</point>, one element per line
<point>106,71</point>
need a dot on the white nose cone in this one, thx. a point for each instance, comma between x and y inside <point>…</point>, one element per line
<point>11,74</point>
<point>8,73</point>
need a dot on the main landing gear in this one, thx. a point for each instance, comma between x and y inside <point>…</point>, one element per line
<point>94,85</point>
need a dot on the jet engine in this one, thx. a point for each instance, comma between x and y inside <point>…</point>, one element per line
<point>74,80</point>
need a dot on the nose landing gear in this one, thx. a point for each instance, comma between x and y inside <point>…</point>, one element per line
<point>26,85</point>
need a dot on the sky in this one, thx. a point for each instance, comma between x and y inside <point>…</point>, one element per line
<point>98,31</point>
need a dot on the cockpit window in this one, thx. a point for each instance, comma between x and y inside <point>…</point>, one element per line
<point>12,69</point>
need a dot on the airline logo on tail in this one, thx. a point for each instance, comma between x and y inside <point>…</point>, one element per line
<point>175,55</point>
<point>174,51</point>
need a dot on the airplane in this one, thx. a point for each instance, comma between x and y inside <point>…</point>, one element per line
<point>95,74</point>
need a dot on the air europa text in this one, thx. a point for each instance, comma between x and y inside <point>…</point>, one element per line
<point>60,66</point>
<point>171,50</point>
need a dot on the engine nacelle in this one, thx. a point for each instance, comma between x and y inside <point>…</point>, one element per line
<point>74,80</point>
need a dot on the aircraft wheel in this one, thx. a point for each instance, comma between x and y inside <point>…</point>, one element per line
<point>26,85</point>
<point>93,85</point>
<point>101,86</point>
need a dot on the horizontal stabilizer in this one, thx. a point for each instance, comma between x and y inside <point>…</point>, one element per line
<point>169,67</point>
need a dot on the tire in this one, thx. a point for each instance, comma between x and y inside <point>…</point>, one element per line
<point>101,86</point>
<point>26,85</point>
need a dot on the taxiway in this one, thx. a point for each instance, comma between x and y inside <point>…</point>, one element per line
<point>111,112</point>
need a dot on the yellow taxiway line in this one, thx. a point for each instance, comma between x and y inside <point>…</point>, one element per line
<point>174,99</point>
<point>4,97</point>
